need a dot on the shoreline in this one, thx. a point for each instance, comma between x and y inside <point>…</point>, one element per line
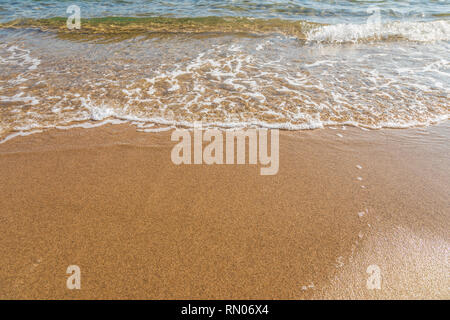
<point>110,200</point>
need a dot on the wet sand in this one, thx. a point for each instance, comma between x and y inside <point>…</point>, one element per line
<point>110,200</point>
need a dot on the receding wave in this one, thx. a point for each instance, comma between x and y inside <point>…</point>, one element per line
<point>414,31</point>
<point>225,81</point>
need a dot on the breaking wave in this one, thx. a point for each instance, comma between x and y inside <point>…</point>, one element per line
<point>413,31</point>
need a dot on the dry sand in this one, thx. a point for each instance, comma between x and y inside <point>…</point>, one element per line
<point>110,200</point>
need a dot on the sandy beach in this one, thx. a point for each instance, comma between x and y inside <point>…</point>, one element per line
<point>110,200</point>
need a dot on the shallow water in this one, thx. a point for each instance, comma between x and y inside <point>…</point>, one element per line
<point>289,73</point>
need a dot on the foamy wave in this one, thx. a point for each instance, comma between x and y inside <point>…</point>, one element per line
<point>414,31</point>
<point>228,82</point>
<point>167,125</point>
<point>19,56</point>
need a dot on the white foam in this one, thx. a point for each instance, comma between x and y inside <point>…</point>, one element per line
<point>20,98</point>
<point>415,31</point>
<point>19,134</point>
<point>21,57</point>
